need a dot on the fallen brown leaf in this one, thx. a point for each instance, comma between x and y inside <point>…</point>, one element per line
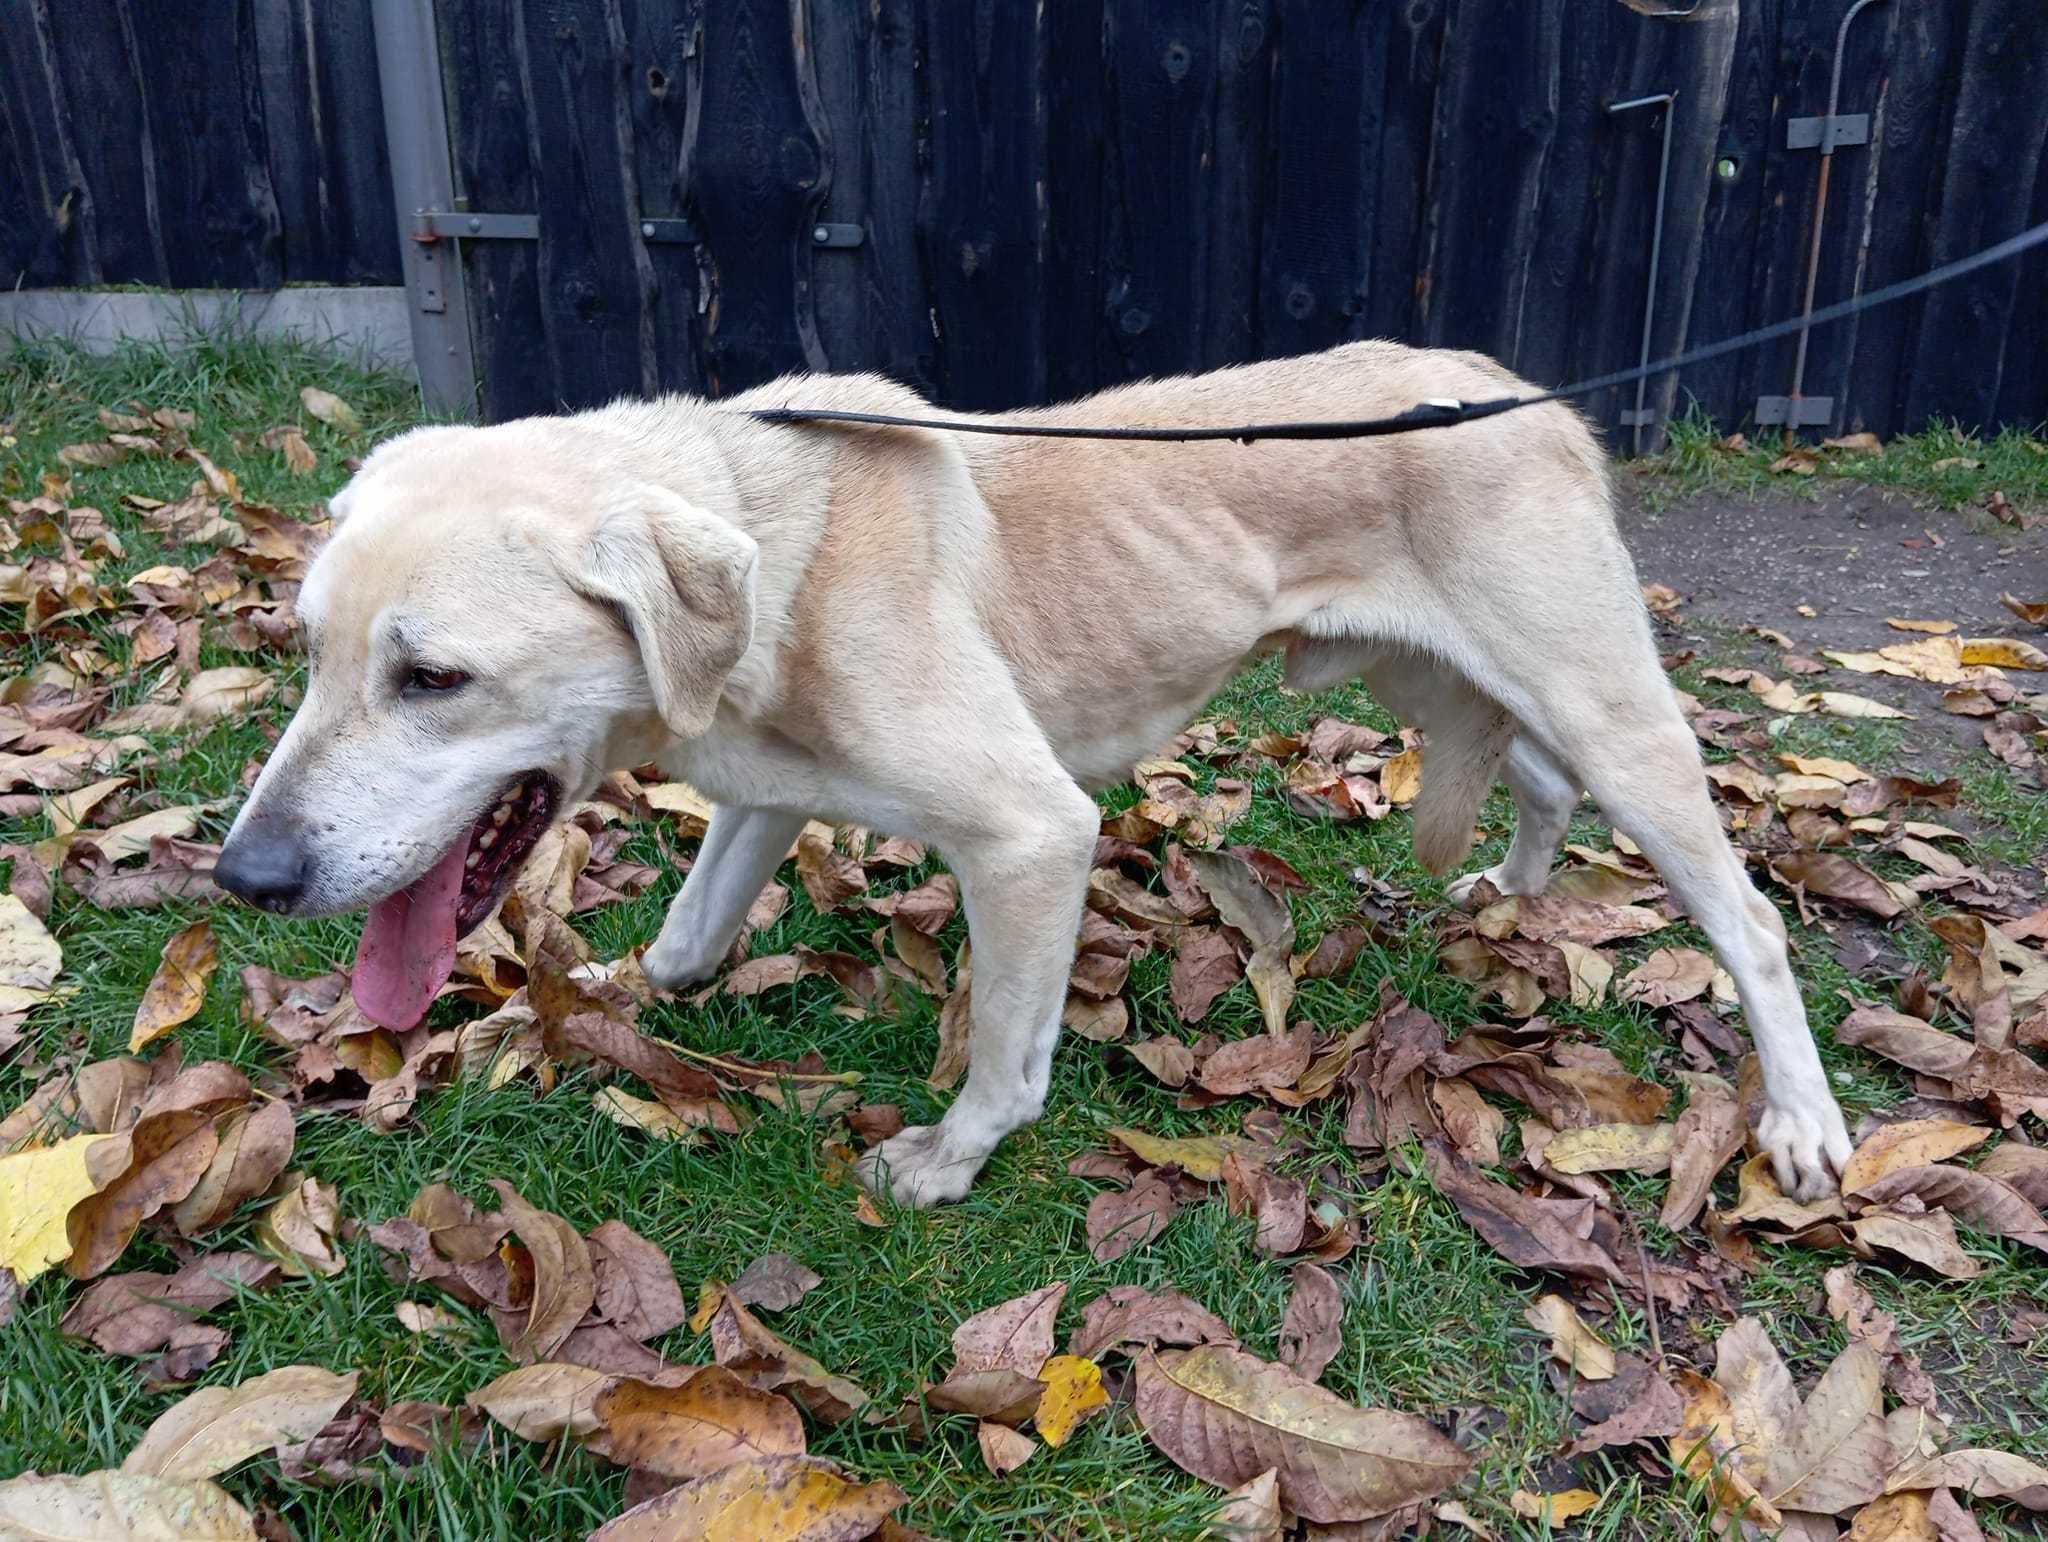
<point>124,1505</point>
<point>544,1401</point>
<point>564,1279</point>
<point>1226,1417</point>
<point>1312,1328</point>
<point>1908,1143</point>
<point>693,1430</point>
<point>1535,1233</point>
<point>1130,1315</point>
<point>775,1281</point>
<point>1572,1343</point>
<point>218,1427</point>
<point>1122,1219</point>
<point>788,1499</point>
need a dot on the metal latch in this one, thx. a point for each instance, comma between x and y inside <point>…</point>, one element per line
<point>431,225</point>
<point>1825,134</point>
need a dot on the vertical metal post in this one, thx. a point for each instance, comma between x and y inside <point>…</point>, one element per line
<point>1667,100</point>
<point>416,131</point>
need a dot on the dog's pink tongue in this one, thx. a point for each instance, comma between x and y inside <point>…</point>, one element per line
<point>408,946</point>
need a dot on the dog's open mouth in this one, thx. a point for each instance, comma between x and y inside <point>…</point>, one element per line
<point>408,947</point>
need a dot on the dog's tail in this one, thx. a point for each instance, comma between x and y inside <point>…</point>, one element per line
<point>1467,736</point>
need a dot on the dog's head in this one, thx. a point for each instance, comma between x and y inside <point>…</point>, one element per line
<point>498,620</point>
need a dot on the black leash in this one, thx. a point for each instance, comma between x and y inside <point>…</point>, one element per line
<point>1443,413</point>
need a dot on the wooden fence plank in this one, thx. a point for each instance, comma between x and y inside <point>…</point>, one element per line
<point>323,118</point>
<point>1317,216</point>
<point>1999,132</point>
<point>872,313</point>
<point>596,286</point>
<point>1079,345</point>
<point>493,171</point>
<point>981,217</point>
<point>1721,298</point>
<point>659,40</point>
<point>757,170</point>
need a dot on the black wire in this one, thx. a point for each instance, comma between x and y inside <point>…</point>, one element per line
<point>1439,414</point>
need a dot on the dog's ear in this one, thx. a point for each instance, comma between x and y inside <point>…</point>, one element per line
<point>683,578</point>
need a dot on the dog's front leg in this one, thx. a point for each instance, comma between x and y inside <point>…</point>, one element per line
<point>1023,893</point>
<point>741,850</point>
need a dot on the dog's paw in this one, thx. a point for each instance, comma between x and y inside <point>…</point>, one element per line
<point>677,967</point>
<point>919,1167</point>
<point>1808,1145</point>
<point>1459,889</point>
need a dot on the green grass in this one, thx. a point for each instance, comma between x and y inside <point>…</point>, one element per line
<point>1433,1321</point>
<point>1694,461</point>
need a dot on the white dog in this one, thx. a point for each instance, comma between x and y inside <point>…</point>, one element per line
<point>955,638</point>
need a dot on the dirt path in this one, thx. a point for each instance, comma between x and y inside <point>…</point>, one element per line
<point>1845,555</point>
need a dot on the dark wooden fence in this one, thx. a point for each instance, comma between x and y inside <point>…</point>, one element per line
<point>1052,197</point>
<point>195,144</point>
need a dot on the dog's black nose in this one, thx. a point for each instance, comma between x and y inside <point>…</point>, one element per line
<point>267,867</point>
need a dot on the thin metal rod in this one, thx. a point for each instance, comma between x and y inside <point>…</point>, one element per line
<point>1820,210</point>
<point>1666,100</point>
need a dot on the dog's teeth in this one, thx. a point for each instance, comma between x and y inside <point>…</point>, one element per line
<point>487,840</point>
<point>500,814</point>
<point>474,857</point>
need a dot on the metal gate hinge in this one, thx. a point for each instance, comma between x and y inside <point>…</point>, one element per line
<point>431,225</point>
<point>1824,133</point>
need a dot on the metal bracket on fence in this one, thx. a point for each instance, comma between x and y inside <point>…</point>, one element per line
<point>430,225</point>
<point>1827,133</point>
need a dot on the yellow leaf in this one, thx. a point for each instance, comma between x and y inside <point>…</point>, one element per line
<point>1199,1156</point>
<point>53,1507</point>
<point>1553,1510</point>
<point>1605,1148</point>
<point>776,1499</point>
<point>1401,777</point>
<point>38,1187</point>
<point>2005,652</point>
<point>1822,765</point>
<point>330,409</point>
<point>1842,704</point>
<point>218,693</point>
<point>30,957</point>
<point>1705,1446</point>
<point>216,1428</point>
<point>68,811</point>
<point>1073,1389</point>
<point>1937,628</point>
<point>657,1119</point>
<point>1572,1343</point>
<point>178,988</point>
<point>1908,1143</point>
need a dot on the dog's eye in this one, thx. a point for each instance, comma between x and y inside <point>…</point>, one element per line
<point>428,679</point>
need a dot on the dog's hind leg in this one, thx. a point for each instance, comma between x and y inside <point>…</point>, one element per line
<point>1650,784</point>
<point>1545,795</point>
<point>741,850</point>
<point>1615,723</point>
